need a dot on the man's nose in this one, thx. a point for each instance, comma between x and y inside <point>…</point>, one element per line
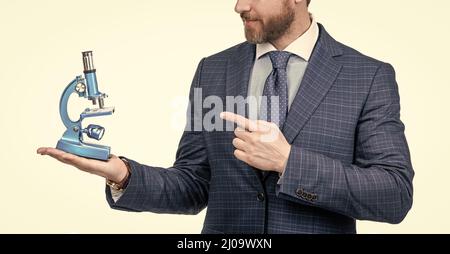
<point>243,6</point>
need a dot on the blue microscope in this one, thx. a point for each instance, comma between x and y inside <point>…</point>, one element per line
<point>72,139</point>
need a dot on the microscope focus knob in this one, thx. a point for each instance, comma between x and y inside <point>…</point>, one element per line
<point>94,131</point>
<point>80,88</point>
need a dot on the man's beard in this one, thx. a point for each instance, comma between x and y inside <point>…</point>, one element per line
<point>272,29</point>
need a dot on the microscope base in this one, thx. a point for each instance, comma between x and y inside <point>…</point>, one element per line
<point>91,151</point>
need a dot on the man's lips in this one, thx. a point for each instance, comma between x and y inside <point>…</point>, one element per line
<point>249,22</point>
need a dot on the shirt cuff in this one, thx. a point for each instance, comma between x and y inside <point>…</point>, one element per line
<point>116,194</point>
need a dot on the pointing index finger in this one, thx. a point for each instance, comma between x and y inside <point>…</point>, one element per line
<point>239,120</point>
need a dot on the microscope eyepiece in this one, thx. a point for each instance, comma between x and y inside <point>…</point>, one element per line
<point>91,78</point>
<point>88,61</point>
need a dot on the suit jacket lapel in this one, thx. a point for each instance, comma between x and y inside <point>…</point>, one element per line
<point>239,68</point>
<point>319,76</point>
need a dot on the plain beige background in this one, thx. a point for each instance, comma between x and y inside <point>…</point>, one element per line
<point>146,52</point>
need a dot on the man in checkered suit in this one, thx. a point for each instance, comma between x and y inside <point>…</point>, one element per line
<point>340,155</point>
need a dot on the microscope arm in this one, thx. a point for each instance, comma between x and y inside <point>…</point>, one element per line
<point>77,85</point>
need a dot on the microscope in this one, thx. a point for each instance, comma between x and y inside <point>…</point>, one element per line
<point>72,139</point>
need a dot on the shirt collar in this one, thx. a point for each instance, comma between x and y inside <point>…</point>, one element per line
<point>302,46</point>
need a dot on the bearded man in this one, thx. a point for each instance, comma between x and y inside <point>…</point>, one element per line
<point>322,147</point>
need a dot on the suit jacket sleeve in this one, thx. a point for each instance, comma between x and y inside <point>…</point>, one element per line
<point>182,188</point>
<point>378,184</point>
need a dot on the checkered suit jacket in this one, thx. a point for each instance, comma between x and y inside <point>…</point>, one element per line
<point>349,158</point>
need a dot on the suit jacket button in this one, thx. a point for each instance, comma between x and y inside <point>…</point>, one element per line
<point>309,197</point>
<point>299,192</point>
<point>260,197</point>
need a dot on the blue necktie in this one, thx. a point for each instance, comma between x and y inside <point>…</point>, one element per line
<point>276,85</point>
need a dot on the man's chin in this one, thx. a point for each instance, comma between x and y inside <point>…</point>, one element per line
<point>253,37</point>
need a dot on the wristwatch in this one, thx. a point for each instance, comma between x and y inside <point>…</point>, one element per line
<point>122,184</point>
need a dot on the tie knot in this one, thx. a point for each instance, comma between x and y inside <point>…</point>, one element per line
<point>279,59</point>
